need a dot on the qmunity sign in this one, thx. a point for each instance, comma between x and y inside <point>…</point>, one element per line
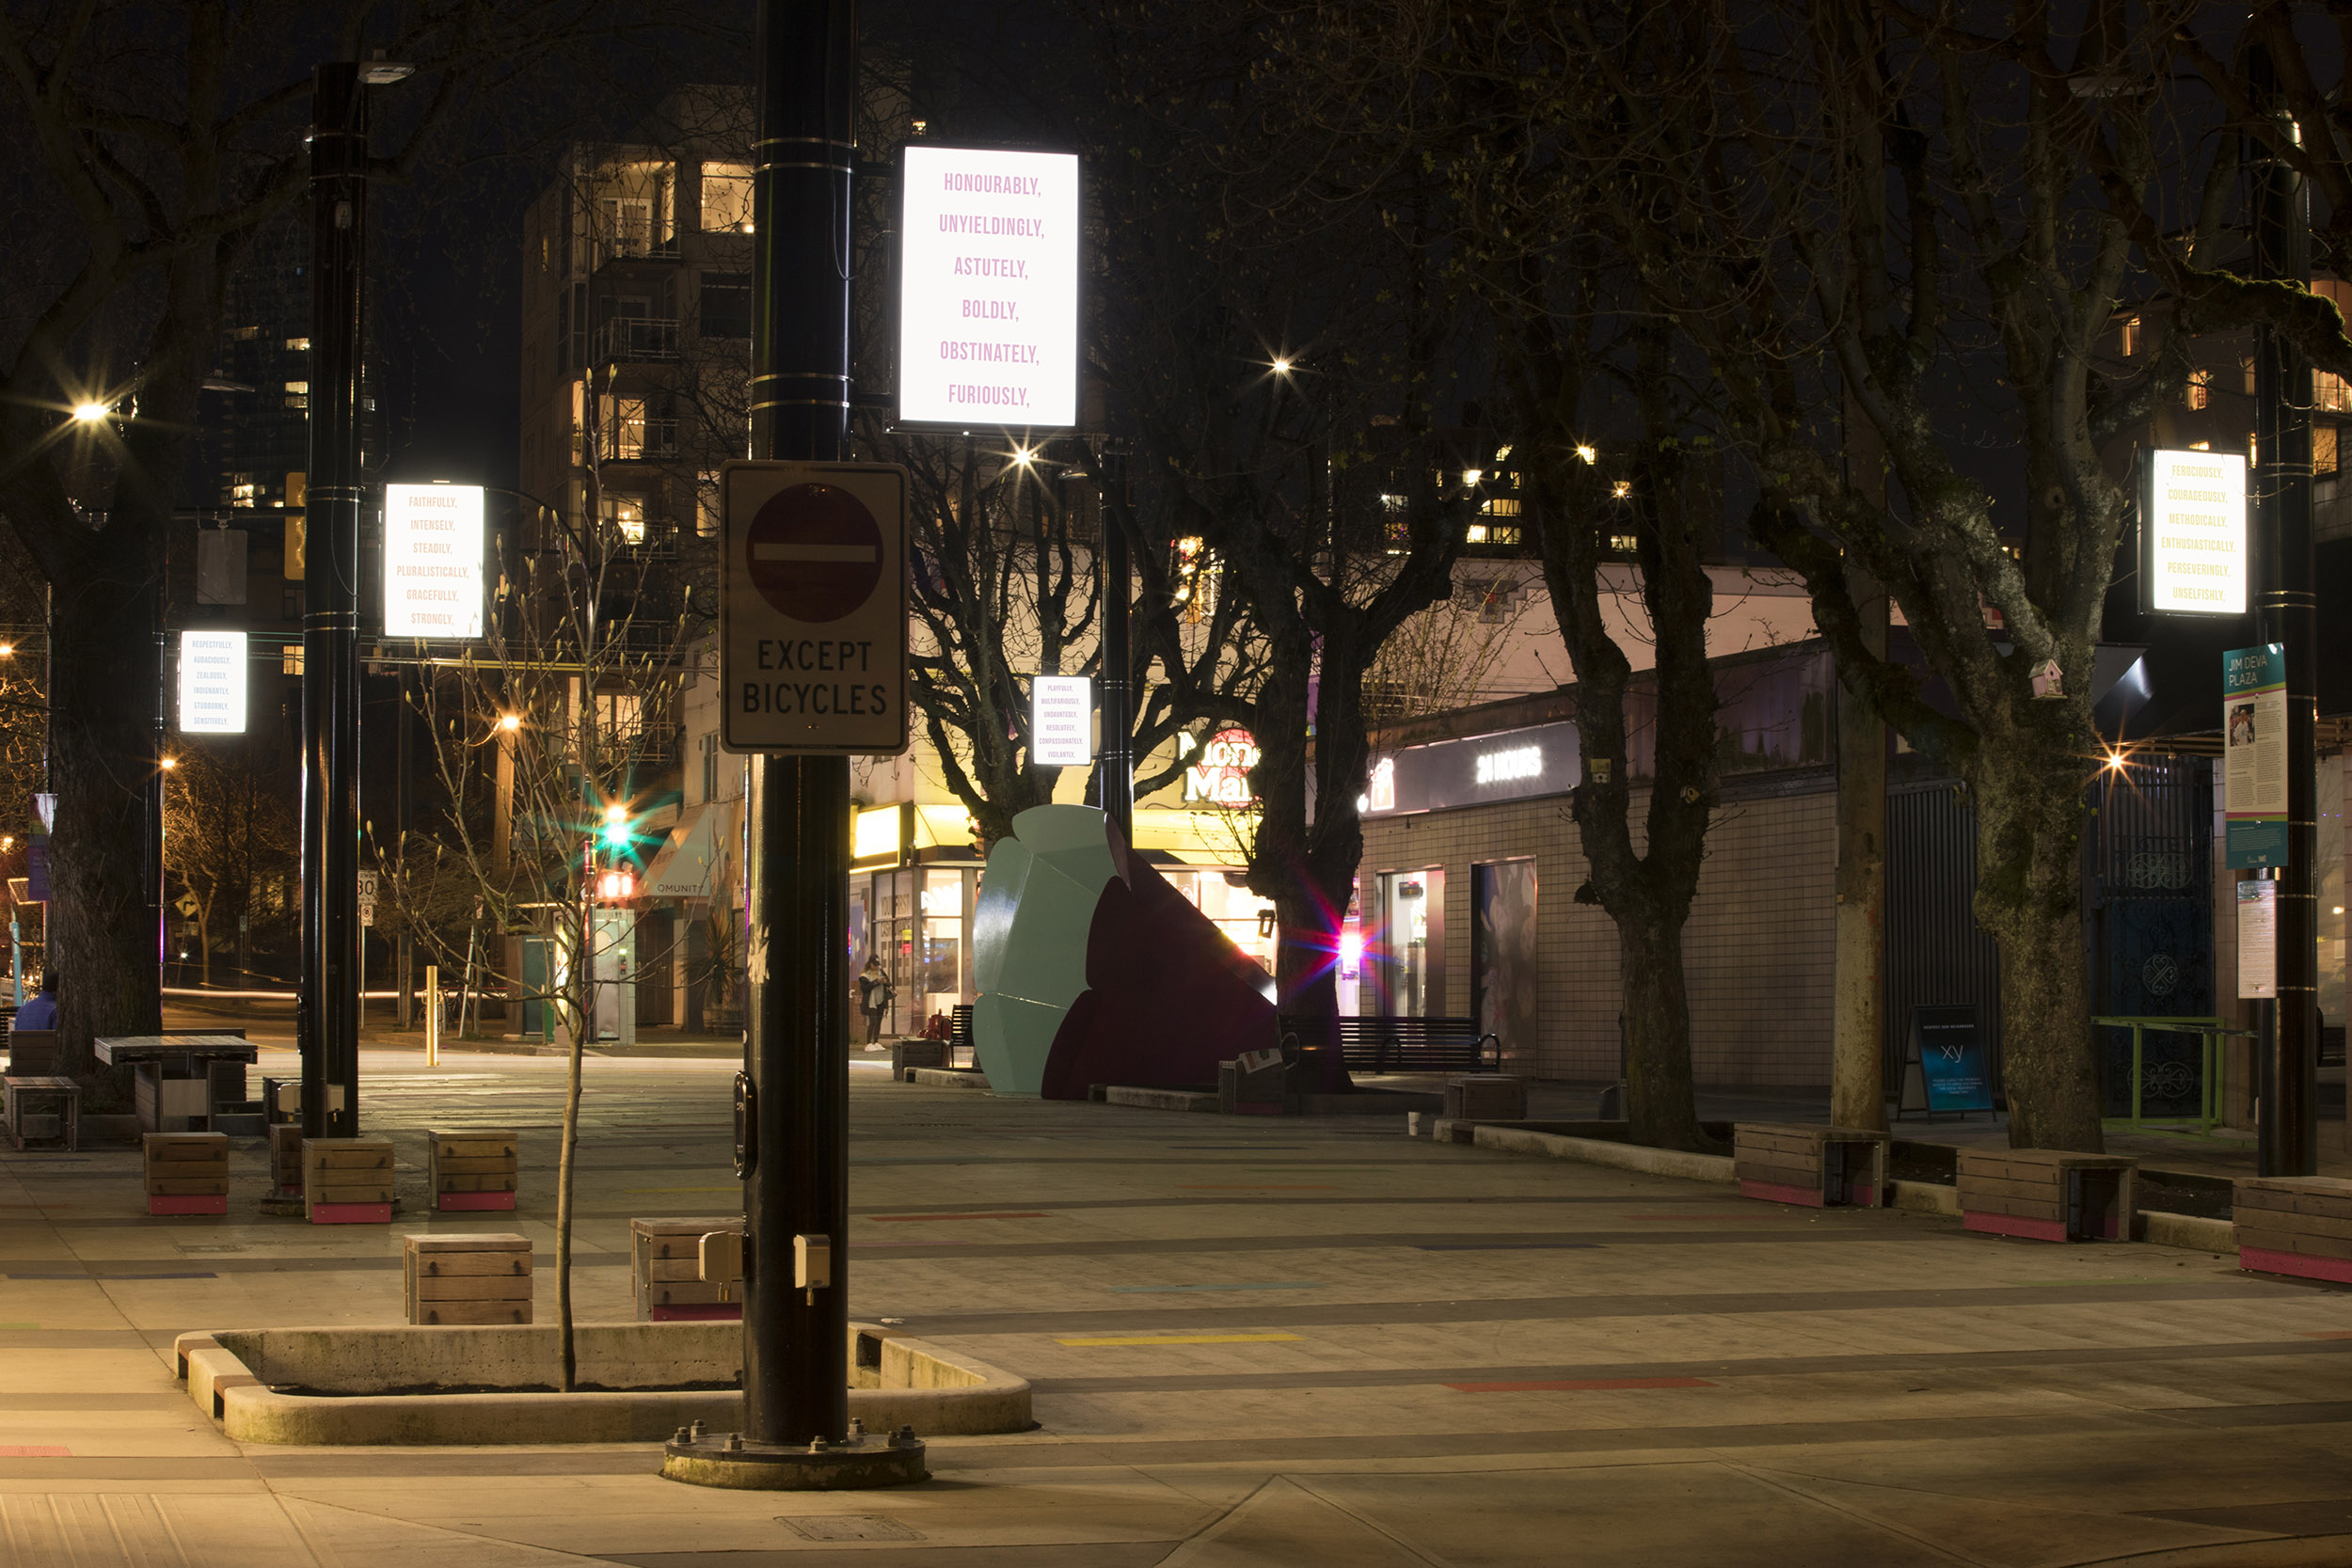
<point>988,289</point>
<point>813,607</point>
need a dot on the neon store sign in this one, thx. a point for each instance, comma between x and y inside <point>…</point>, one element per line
<point>1219,775</point>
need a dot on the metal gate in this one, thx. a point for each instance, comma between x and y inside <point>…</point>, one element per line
<point>1935,954</point>
<point>2151,925</point>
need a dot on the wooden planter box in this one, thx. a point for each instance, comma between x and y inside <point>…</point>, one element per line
<point>187,1173</point>
<point>665,1261</point>
<point>347,1181</point>
<point>2295,1225</point>
<point>466,1280</point>
<point>2047,1195</point>
<point>474,1168</point>
<point>1822,1167</point>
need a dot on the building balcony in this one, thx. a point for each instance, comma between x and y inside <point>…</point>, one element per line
<point>637,340</point>
<point>640,441</point>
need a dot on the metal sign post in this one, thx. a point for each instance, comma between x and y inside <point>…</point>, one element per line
<point>812,668</point>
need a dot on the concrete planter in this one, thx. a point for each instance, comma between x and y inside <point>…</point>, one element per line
<point>381,1379</point>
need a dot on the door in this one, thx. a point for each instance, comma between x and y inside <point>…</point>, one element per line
<point>1412,943</point>
<point>1502,954</point>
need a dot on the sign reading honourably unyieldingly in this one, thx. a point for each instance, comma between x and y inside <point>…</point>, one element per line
<point>988,289</point>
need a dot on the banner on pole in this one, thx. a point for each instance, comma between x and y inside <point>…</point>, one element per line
<point>2254,754</point>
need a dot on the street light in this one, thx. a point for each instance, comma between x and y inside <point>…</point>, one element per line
<point>89,413</point>
<point>510,722</point>
<point>1282,366</point>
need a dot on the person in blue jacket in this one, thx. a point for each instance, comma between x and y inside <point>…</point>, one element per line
<point>41,1011</point>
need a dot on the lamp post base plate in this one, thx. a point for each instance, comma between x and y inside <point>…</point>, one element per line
<point>743,1464</point>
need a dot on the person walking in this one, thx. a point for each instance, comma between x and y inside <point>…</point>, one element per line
<point>873,994</point>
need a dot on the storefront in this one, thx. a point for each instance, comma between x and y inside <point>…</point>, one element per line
<point>916,880</point>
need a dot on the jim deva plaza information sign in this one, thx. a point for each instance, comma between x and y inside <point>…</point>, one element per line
<point>2193,532</point>
<point>433,561</point>
<point>988,289</point>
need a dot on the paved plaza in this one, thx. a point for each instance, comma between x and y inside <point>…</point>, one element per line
<point>1253,1342</point>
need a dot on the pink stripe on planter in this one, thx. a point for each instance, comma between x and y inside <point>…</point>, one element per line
<point>1774,1191</point>
<point>2263,1261</point>
<point>1579,1384</point>
<point>2009,1224</point>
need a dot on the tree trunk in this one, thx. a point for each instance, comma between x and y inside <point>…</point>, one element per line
<point>103,932</point>
<point>1659,1096</point>
<point>2029,821</point>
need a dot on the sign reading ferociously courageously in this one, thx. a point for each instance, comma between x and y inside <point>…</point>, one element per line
<point>988,289</point>
<point>2192,559</point>
<point>813,607</point>
<point>433,561</point>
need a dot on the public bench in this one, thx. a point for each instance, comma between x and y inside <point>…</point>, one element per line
<point>1384,1044</point>
<point>2294,1225</point>
<point>187,1173</point>
<point>665,1263</point>
<point>2047,1195</point>
<point>474,1167</point>
<point>1822,1167</point>
<point>62,1120</point>
<point>472,1277</point>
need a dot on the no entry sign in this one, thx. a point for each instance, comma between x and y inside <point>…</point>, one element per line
<point>813,607</point>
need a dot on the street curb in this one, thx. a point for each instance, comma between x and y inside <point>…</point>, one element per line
<point>1597,1151</point>
<point>905,1382</point>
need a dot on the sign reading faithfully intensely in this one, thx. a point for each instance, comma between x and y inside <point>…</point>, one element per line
<point>2192,556</point>
<point>1061,721</point>
<point>813,607</point>
<point>988,289</point>
<point>433,561</point>
<point>212,682</point>
<point>2254,754</point>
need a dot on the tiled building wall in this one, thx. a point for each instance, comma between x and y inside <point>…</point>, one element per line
<point>1757,952</point>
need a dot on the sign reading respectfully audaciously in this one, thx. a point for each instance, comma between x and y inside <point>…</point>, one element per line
<point>2254,754</point>
<point>2192,558</point>
<point>813,607</point>
<point>1061,721</point>
<point>212,682</point>
<point>988,289</point>
<point>433,561</point>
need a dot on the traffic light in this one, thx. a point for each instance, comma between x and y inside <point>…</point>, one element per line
<point>617,834</point>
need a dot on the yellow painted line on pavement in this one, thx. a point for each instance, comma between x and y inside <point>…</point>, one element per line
<point>1186,1340</point>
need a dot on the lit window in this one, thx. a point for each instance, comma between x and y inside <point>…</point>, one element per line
<point>2322,448</point>
<point>2328,392</point>
<point>2127,336</point>
<point>1502,506</point>
<point>297,386</point>
<point>728,198</point>
<point>627,513</point>
<point>2199,393</point>
<point>1625,544</point>
<point>1622,488</point>
<point>300,346</point>
<point>290,660</point>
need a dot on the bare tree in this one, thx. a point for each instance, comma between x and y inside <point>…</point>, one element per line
<point>158,141</point>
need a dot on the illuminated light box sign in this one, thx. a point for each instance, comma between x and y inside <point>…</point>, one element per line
<point>433,561</point>
<point>1061,721</point>
<point>2192,554</point>
<point>1511,765</point>
<point>988,289</point>
<point>212,683</point>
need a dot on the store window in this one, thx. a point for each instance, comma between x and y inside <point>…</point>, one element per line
<point>1502,954</point>
<point>1409,978</point>
<point>1246,920</point>
<point>940,981</point>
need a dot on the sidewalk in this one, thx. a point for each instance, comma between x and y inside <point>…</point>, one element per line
<point>1254,1342</point>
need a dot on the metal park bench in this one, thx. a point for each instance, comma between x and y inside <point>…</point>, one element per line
<point>1380,1044</point>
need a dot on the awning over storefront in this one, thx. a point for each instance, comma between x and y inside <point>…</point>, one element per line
<point>690,864</point>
